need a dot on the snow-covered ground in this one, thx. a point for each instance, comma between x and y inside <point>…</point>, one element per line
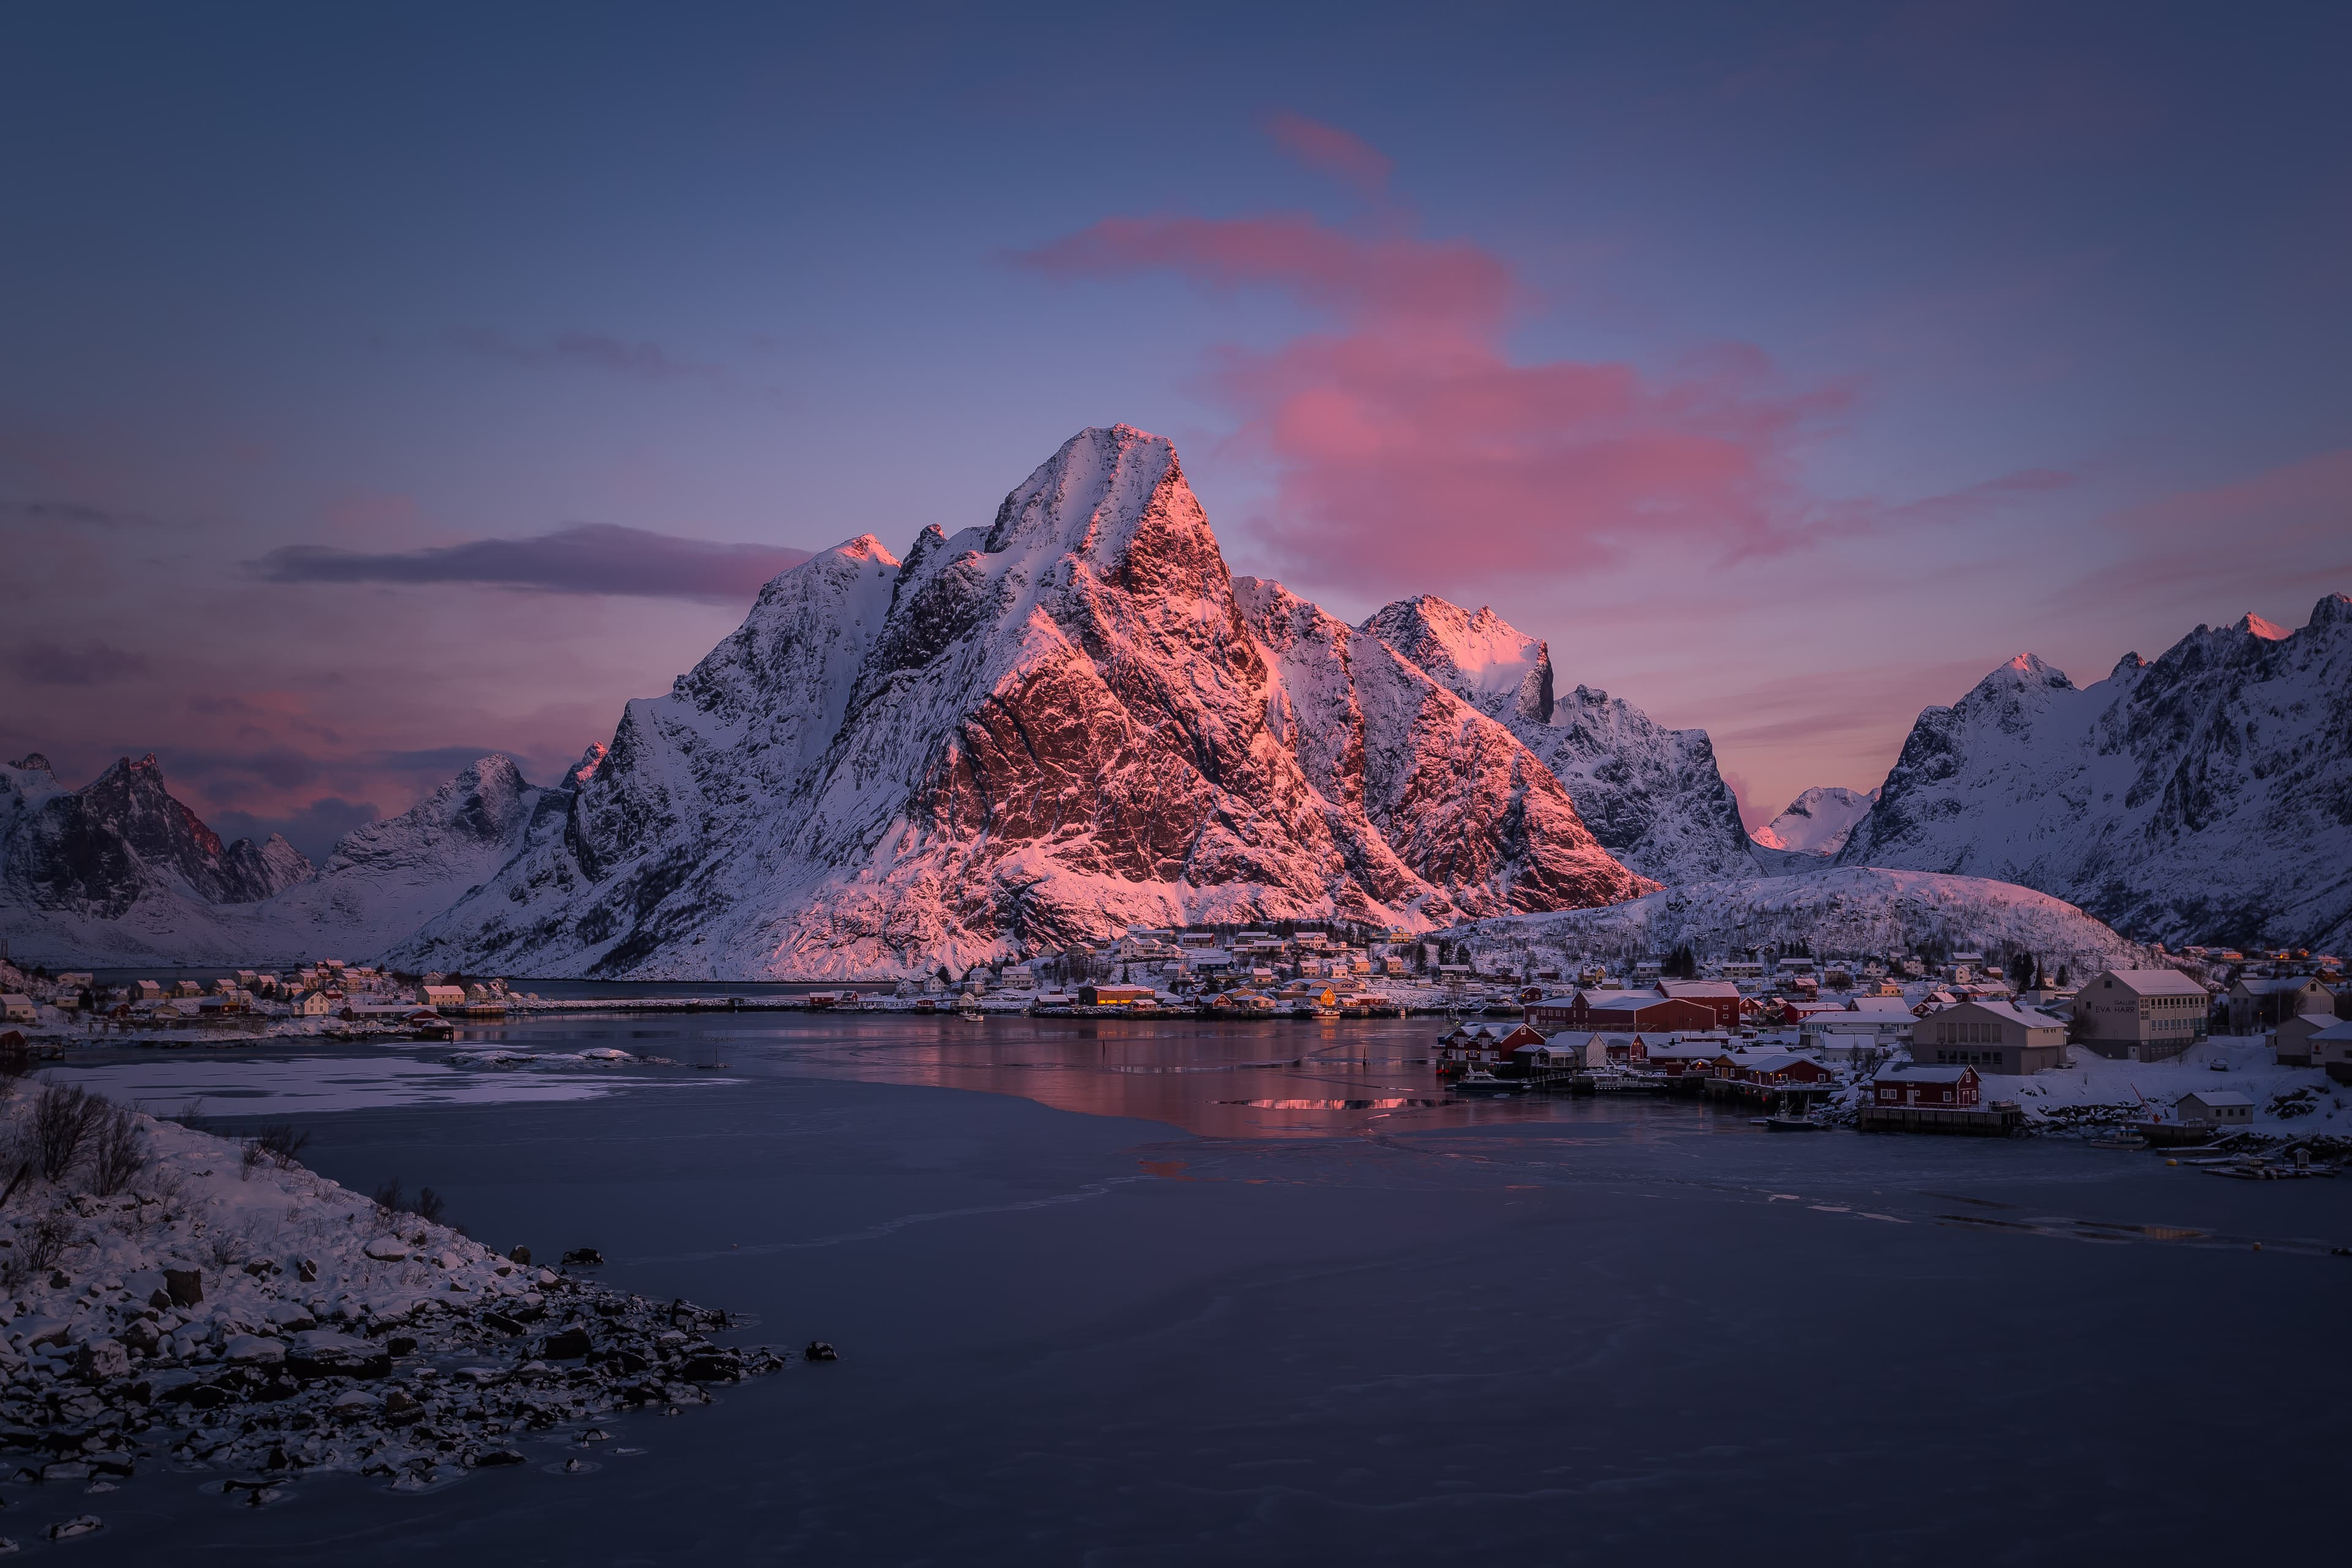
<point>176,1294</point>
<point>2287,1101</point>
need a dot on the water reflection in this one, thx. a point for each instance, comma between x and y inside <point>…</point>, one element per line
<point>1216,1078</point>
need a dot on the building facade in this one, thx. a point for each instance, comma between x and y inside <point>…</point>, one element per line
<point>1994,1036</point>
<point>2140,1014</point>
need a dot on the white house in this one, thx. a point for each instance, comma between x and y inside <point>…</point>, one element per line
<point>2221,1106</point>
<point>16,1009</point>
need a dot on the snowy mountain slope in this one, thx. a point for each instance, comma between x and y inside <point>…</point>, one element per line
<point>1848,910</point>
<point>2206,796</point>
<point>389,877</point>
<point>1025,734</point>
<point>1653,796</point>
<point>1817,822</point>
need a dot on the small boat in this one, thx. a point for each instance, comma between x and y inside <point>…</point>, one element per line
<point>1478,1080</point>
<point>1795,1123</point>
<point>2126,1138</point>
<point>969,1008</point>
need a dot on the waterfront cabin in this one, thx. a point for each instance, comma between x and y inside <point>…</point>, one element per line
<point>1722,996</point>
<point>437,996</point>
<point>1782,1068</point>
<point>1116,995</point>
<point>16,1009</point>
<point>1622,1011</point>
<point>2219,1107</point>
<point>1935,1088</point>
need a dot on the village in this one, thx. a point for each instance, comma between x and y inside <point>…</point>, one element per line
<point>1960,1043</point>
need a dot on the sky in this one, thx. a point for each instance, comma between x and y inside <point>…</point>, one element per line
<point>380,387</point>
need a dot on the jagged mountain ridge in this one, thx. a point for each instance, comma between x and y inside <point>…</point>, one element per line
<point>97,851</point>
<point>2204,797</point>
<point>1818,822</point>
<point>1027,734</point>
<point>149,890</point>
<point>1653,797</point>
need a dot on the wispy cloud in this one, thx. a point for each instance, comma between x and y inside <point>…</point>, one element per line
<point>586,558</point>
<point>93,664</point>
<point>81,514</point>
<point>1328,150</point>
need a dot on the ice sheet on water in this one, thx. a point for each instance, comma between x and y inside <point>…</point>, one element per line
<point>323,1083</point>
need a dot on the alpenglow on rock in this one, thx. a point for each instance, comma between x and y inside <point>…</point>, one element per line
<point>1024,735</point>
<point>2206,796</point>
<point>1653,796</point>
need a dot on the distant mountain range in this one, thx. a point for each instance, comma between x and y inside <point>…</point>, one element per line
<point>1073,720</point>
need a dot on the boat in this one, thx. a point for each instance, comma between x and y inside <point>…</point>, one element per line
<point>969,1008</point>
<point>1798,1122</point>
<point>1478,1080</point>
<point>2124,1139</point>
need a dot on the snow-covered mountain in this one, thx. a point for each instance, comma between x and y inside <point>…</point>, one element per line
<point>1817,822</point>
<point>121,871</point>
<point>1025,734</point>
<point>1653,796</point>
<point>110,868</point>
<point>389,877</point>
<point>1845,911</point>
<point>2206,796</point>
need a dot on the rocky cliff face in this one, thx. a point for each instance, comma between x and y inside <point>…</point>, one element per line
<point>1023,735</point>
<point>1653,797</point>
<point>2206,796</point>
<point>99,850</point>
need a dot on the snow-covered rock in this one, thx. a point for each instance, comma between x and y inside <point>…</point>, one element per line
<point>1817,822</point>
<point>1850,910</point>
<point>2206,796</point>
<point>1027,734</point>
<point>1653,796</point>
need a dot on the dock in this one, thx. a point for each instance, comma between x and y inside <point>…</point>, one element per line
<point>1992,1122</point>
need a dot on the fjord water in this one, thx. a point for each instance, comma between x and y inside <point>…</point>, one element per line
<point>1145,1292</point>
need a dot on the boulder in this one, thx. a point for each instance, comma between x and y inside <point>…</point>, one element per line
<point>582,1258</point>
<point>43,1331</point>
<point>101,1361</point>
<point>292,1317</point>
<point>314,1354</point>
<point>65,1530</point>
<point>387,1250</point>
<point>184,1286</point>
<point>142,1336</point>
<point>566,1344</point>
<point>254,1350</point>
<point>489,1457</point>
<point>520,1255</point>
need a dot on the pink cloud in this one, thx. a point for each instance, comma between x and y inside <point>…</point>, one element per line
<point>1410,423</point>
<point>1328,150</point>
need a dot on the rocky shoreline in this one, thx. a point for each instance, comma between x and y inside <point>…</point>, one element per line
<point>169,1297</point>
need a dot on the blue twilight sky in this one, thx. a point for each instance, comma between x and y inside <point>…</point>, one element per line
<point>378,389</point>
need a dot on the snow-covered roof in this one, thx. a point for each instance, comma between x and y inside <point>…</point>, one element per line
<point>1696,988</point>
<point>2337,1029</point>
<point>2152,982</point>
<point>1917,1074</point>
<point>2010,1012</point>
<point>2216,1098</point>
<point>2272,985</point>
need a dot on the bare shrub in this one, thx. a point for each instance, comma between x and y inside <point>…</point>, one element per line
<point>64,1120</point>
<point>282,1145</point>
<point>118,1151</point>
<point>41,1247</point>
<point>392,1203</point>
<point>15,1061</point>
<point>190,1115</point>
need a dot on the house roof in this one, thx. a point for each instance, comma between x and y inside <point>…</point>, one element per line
<point>1917,1074</point>
<point>1697,988</point>
<point>2273,984</point>
<point>2337,1029</point>
<point>2151,982</point>
<point>2010,1012</point>
<point>2219,1097</point>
